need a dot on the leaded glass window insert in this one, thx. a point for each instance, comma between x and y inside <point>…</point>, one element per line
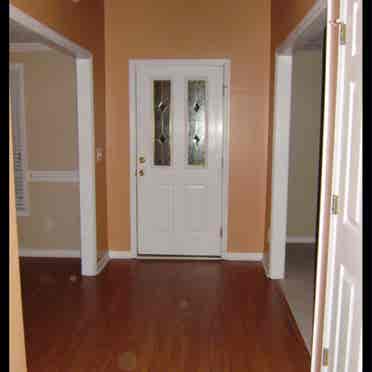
<point>162,131</point>
<point>197,122</point>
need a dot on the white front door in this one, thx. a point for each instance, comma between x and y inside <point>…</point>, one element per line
<point>179,158</point>
<point>343,331</point>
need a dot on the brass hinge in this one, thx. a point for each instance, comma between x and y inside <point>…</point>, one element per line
<point>325,357</point>
<point>334,206</point>
<point>221,232</point>
<point>342,26</point>
<point>342,33</point>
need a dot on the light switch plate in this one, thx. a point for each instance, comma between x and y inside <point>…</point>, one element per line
<point>99,154</point>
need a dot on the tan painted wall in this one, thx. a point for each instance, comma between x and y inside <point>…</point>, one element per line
<point>83,23</point>
<point>17,350</point>
<point>51,109</point>
<point>238,30</point>
<point>285,15</point>
<point>54,221</point>
<point>52,145</point>
<point>304,143</point>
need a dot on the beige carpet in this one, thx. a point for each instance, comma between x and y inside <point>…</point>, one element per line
<point>299,286</point>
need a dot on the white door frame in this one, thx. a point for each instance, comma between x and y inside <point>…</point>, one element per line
<point>133,65</point>
<point>85,108</point>
<point>275,261</point>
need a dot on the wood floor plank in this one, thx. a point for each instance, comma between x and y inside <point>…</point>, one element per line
<point>157,316</point>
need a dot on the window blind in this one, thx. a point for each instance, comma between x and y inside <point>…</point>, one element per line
<point>18,129</point>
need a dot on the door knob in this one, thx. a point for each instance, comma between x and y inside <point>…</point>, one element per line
<point>142,159</point>
<point>141,172</point>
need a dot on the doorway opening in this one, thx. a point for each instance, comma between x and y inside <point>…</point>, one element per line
<point>304,184</point>
<point>27,36</point>
<point>298,128</point>
<point>45,142</point>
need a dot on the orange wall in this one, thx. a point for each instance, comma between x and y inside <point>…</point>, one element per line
<point>82,23</point>
<point>17,350</point>
<point>285,16</point>
<point>239,30</point>
<point>246,32</point>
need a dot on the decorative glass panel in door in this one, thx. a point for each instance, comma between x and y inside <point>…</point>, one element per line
<point>197,122</point>
<point>162,106</point>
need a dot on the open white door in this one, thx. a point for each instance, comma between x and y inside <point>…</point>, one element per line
<point>343,323</point>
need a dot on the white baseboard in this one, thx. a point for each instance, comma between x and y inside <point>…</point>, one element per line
<point>29,252</point>
<point>121,255</point>
<point>179,258</point>
<point>301,239</point>
<point>103,262</point>
<point>237,256</point>
<point>265,264</point>
<point>230,256</point>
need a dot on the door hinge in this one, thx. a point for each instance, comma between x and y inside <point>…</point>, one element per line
<point>334,206</point>
<point>221,232</point>
<point>224,87</point>
<point>342,27</point>
<point>325,357</point>
<point>342,33</point>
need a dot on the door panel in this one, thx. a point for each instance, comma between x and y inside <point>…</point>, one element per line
<point>195,209</point>
<point>344,319</point>
<point>161,209</point>
<point>344,292</point>
<point>180,111</point>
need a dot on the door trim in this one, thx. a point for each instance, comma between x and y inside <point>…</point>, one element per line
<point>133,65</point>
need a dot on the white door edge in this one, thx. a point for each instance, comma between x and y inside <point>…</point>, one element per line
<point>337,168</point>
<point>133,66</point>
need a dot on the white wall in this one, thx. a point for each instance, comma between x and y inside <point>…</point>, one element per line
<point>304,144</point>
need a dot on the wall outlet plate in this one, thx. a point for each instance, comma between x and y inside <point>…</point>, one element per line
<point>99,154</point>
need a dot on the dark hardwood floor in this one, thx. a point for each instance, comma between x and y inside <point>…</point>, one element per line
<point>157,316</point>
